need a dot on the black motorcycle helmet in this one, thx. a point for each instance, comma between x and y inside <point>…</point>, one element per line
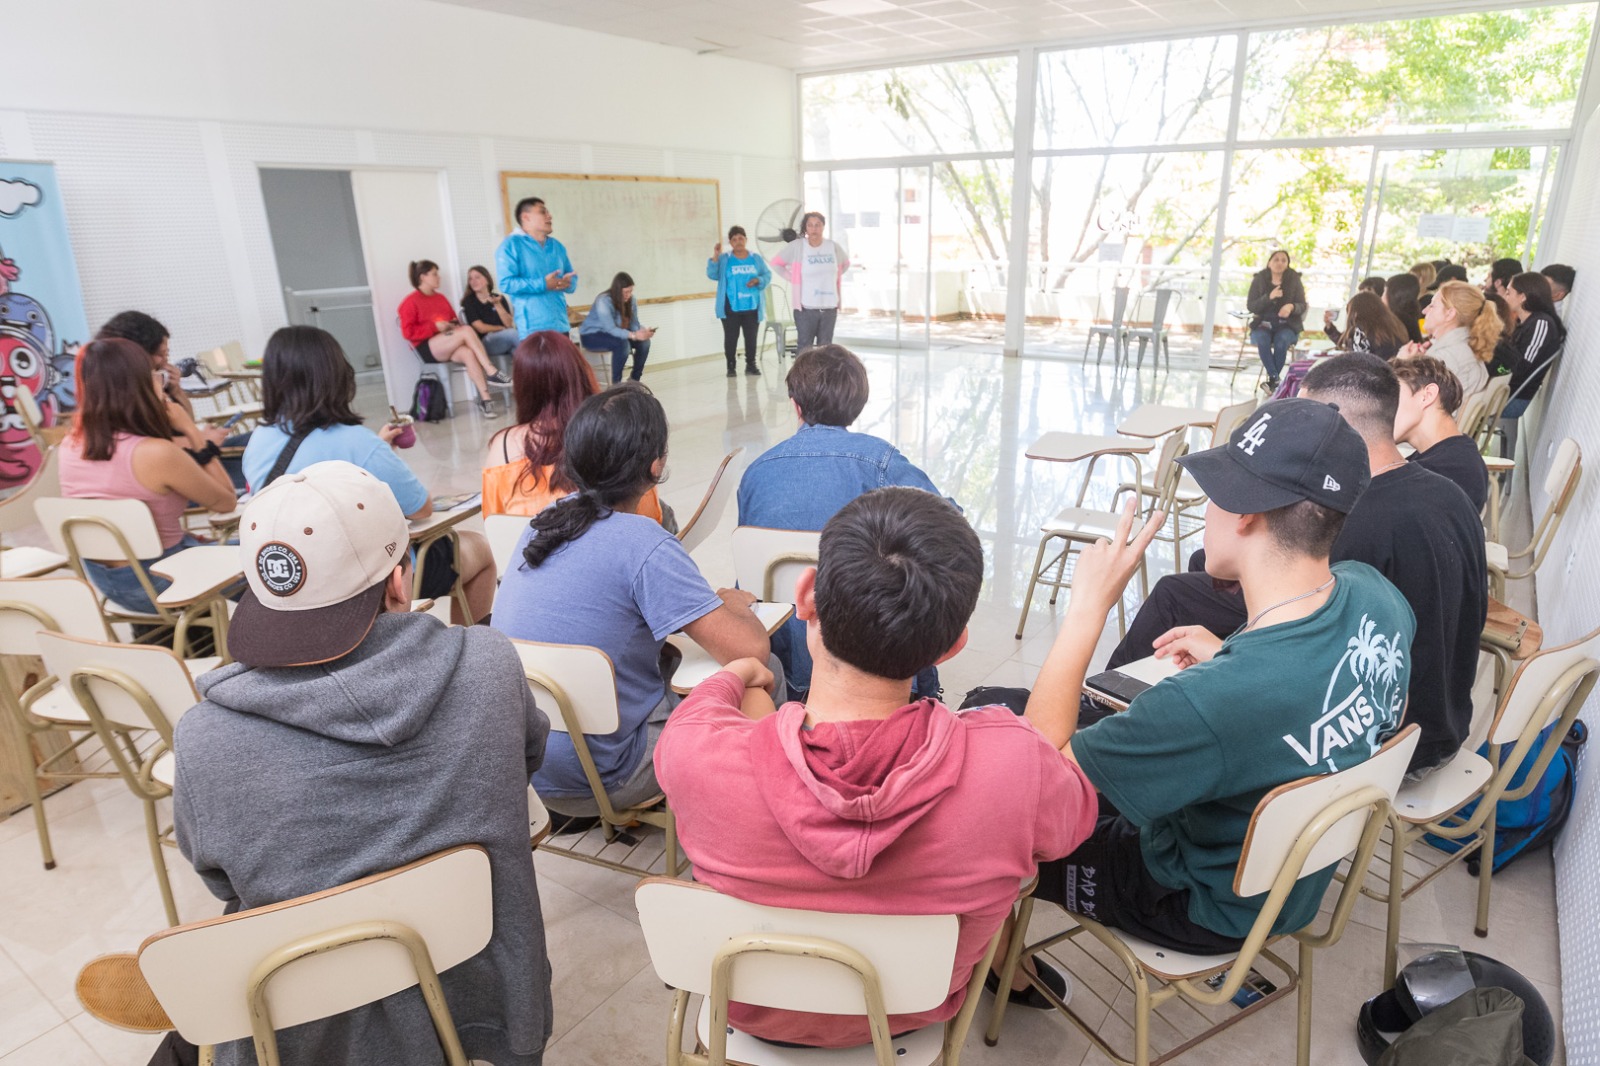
<point>1437,978</point>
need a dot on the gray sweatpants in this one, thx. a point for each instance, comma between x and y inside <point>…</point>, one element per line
<point>813,327</point>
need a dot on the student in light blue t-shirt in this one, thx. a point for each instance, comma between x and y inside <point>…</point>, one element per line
<point>742,277</point>
<point>594,571</point>
<point>307,386</point>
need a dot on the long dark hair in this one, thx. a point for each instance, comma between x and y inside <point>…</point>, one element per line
<point>1536,297</point>
<point>467,293</point>
<point>116,395</point>
<point>1368,313</point>
<point>1401,293</point>
<point>622,308</point>
<point>610,446</point>
<point>549,379</point>
<point>306,382</point>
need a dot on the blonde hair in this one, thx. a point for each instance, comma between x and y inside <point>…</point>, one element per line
<point>1475,313</point>
<point>1425,273</point>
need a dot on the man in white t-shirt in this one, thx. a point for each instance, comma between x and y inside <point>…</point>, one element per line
<point>814,266</point>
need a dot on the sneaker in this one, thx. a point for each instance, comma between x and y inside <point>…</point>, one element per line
<point>1030,996</point>
<point>752,370</point>
<point>487,408</point>
<point>733,371</point>
<point>499,380</point>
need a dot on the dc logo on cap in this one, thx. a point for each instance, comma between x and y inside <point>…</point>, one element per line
<point>281,569</point>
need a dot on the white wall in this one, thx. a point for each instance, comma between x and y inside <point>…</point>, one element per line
<point>158,114</point>
<point>1569,595</point>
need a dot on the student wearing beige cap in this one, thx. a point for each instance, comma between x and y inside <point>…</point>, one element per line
<point>351,737</point>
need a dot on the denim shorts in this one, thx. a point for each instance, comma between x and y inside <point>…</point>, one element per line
<point>120,584</point>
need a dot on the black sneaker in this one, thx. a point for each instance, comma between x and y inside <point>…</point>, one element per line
<point>1030,996</point>
<point>733,371</point>
<point>487,408</point>
<point>499,380</point>
<point>752,370</point>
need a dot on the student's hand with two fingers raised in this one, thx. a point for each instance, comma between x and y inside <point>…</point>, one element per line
<point>1105,567</point>
<point>1187,645</point>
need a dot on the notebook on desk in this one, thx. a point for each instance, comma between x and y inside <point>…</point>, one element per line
<point>463,499</point>
<point>1117,688</point>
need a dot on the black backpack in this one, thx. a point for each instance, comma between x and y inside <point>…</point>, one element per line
<point>427,399</point>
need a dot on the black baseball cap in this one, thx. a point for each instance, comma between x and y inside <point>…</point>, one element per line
<point>1287,451</point>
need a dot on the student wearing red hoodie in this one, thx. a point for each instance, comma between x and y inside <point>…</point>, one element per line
<point>861,800</point>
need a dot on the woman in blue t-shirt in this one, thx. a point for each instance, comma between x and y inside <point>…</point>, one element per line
<point>742,277</point>
<point>307,387</point>
<point>594,571</point>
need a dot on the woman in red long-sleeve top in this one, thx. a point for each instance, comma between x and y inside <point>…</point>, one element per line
<point>429,322</point>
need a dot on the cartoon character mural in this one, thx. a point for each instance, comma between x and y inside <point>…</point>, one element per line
<point>41,311</point>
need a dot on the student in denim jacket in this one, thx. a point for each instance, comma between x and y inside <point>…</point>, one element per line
<point>802,482</point>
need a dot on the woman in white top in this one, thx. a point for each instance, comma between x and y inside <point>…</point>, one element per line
<point>1464,328</point>
<point>814,267</point>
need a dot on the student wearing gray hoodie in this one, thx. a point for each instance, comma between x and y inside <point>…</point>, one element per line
<point>351,737</point>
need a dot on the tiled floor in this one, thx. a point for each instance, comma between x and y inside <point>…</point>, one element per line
<point>965,415</point>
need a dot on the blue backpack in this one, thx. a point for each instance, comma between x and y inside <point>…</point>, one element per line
<point>1537,818</point>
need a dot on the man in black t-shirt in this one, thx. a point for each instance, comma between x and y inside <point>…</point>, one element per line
<point>1416,528</point>
<point>1429,391</point>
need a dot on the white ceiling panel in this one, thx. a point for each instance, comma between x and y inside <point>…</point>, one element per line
<point>822,34</point>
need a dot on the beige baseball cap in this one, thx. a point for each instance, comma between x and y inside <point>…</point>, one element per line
<point>317,546</point>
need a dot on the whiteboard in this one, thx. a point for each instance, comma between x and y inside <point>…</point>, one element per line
<point>659,230</point>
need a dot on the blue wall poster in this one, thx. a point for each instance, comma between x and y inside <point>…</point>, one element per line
<point>41,310</point>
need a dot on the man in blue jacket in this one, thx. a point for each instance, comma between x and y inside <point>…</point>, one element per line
<point>534,271</point>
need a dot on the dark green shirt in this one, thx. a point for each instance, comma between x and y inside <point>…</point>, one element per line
<point>1190,758</point>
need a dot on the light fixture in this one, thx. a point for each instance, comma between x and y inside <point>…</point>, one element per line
<point>850,7</point>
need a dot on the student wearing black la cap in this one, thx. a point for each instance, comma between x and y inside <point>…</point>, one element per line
<point>1313,681</point>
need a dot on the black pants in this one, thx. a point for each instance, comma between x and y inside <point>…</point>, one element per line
<point>1190,599</point>
<point>734,323</point>
<point>1105,879</point>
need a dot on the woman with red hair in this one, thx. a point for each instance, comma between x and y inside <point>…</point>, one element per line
<point>523,474</point>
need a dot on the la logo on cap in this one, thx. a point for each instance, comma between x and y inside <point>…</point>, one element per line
<point>1255,435</point>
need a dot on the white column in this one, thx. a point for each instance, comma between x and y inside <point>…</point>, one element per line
<point>1021,199</point>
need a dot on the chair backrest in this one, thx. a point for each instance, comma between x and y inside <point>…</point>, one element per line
<point>1288,811</point>
<point>504,531</point>
<point>576,679</point>
<point>215,360</point>
<point>1542,686</point>
<point>1561,480</point>
<point>686,925</point>
<point>27,408</point>
<point>1119,305</point>
<point>99,529</point>
<point>768,562</point>
<point>713,505</point>
<point>205,973</point>
<point>33,605</point>
<point>131,686</point>
<point>1229,419</point>
<point>233,355</point>
<point>1497,395</point>
<point>17,509</point>
<point>778,306</point>
<point>1472,413</point>
<point>1168,475</point>
<point>1158,318</point>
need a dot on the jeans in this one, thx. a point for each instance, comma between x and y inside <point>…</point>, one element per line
<point>500,342</point>
<point>734,323</point>
<point>619,348</point>
<point>1508,426</point>
<point>120,584</point>
<point>1273,343</point>
<point>813,327</point>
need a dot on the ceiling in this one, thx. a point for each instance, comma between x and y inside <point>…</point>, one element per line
<point>817,34</point>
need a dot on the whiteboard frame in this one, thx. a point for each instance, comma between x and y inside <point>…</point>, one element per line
<point>511,225</point>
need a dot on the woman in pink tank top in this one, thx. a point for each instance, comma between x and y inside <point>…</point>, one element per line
<point>122,448</point>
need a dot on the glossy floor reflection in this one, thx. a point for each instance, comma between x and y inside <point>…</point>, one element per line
<point>963,414</point>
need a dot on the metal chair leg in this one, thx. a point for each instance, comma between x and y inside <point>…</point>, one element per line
<point>1008,972</point>
<point>153,831</point>
<point>1033,580</point>
<point>1485,874</point>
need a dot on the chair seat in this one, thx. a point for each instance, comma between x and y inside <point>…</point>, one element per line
<point>1170,965</point>
<point>165,770</point>
<point>1499,558</point>
<point>29,562</point>
<point>60,705</point>
<point>1444,789</point>
<point>1084,521</point>
<point>919,1048</point>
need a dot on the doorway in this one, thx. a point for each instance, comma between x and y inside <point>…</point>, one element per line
<point>316,241</point>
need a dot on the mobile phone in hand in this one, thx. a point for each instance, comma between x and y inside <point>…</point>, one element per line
<point>234,420</point>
